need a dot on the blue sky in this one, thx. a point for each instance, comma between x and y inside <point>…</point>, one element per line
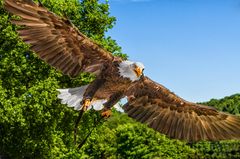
<point>192,47</point>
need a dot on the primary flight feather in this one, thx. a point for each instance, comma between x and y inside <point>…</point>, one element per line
<point>56,41</point>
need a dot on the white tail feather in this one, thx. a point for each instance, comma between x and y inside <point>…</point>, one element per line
<point>73,97</point>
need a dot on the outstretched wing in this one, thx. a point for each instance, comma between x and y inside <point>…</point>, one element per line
<point>56,40</point>
<point>153,104</point>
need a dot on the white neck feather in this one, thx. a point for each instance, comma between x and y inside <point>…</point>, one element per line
<point>126,70</point>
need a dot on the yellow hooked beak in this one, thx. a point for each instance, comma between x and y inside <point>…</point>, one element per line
<point>138,71</point>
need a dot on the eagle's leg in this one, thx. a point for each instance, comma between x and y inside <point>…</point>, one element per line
<point>86,102</point>
<point>106,111</point>
<point>94,86</point>
<point>91,90</point>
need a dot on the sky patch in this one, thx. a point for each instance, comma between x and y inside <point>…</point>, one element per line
<point>133,1</point>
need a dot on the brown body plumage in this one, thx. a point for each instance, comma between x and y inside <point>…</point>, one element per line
<point>113,84</point>
<point>59,43</point>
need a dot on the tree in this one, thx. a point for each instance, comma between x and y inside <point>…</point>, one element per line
<point>122,137</point>
<point>221,149</point>
<point>229,104</point>
<point>33,123</point>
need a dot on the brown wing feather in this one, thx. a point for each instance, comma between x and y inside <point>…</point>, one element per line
<point>56,40</point>
<point>153,104</point>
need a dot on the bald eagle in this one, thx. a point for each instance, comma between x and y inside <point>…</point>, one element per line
<point>56,41</point>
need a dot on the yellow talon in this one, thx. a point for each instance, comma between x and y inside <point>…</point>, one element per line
<point>106,113</point>
<point>86,104</point>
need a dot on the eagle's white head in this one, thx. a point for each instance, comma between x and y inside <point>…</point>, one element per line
<point>131,70</point>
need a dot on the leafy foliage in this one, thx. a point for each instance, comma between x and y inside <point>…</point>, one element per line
<point>33,123</point>
<point>221,149</point>
<point>138,141</point>
<point>121,137</point>
<point>229,104</point>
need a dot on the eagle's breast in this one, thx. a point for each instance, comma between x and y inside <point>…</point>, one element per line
<point>114,83</point>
